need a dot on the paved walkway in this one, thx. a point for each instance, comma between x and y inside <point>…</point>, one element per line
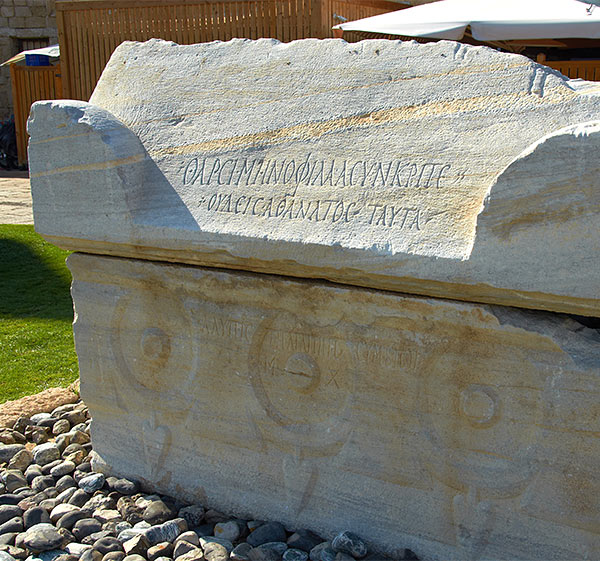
<point>15,198</point>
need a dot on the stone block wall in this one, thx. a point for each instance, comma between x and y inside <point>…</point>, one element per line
<point>22,21</point>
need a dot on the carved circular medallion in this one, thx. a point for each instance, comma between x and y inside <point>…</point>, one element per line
<point>156,344</point>
<point>302,375</point>
<point>480,405</point>
<point>150,341</point>
<point>480,414</point>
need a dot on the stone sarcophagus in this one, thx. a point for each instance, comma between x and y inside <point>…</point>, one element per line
<point>340,286</point>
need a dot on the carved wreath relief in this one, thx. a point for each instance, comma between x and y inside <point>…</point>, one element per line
<point>154,362</point>
<point>302,376</point>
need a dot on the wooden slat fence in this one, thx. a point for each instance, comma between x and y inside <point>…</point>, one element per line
<point>586,69</point>
<point>30,84</point>
<point>90,30</point>
<point>352,11</point>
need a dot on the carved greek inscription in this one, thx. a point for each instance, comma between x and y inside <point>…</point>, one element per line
<point>293,341</point>
<point>284,208</point>
<point>401,217</point>
<point>387,356</point>
<point>225,327</point>
<point>333,211</point>
<point>237,177</point>
<point>314,172</point>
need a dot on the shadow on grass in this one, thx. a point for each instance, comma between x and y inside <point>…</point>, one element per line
<point>34,280</point>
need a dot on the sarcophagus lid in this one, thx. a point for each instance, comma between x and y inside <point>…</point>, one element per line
<point>438,169</point>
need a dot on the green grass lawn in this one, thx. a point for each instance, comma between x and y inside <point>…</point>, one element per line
<point>36,335</point>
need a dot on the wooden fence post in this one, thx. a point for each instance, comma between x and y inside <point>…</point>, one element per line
<point>18,100</point>
<point>65,53</point>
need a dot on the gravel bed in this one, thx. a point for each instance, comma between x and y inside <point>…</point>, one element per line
<point>53,507</point>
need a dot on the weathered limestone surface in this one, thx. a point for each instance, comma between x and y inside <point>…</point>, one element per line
<point>462,431</point>
<point>443,170</point>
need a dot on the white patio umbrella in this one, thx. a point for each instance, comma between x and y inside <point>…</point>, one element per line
<point>53,51</point>
<point>490,20</point>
